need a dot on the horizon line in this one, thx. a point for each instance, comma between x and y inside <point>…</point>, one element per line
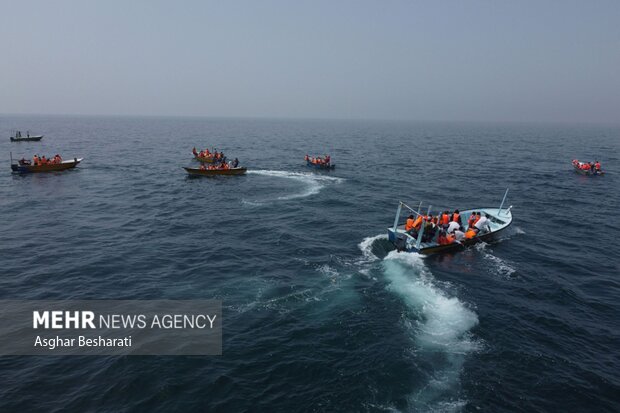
<point>315,118</point>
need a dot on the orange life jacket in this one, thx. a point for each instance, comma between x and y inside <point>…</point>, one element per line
<point>597,166</point>
<point>445,219</point>
<point>470,234</point>
<point>417,222</point>
<point>471,220</point>
<point>450,238</point>
<point>409,224</point>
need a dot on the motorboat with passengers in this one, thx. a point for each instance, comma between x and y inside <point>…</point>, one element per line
<point>497,220</point>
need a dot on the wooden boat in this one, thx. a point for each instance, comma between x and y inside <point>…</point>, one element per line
<point>320,165</point>
<point>577,167</point>
<point>499,220</point>
<point>216,172</point>
<point>52,167</point>
<point>17,137</point>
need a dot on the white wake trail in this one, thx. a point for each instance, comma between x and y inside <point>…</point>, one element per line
<point>312,183</point>
<point>441,326</point>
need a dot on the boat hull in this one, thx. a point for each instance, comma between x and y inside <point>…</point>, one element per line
<point>320,166</point>
<point>404,242</point>
<point>216,172</point>
<point>28,169</point>
<point>27,139</point>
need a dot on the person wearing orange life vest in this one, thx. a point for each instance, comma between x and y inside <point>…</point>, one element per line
<point>444,220</point>
<point>471,219</point>
<point>477,218</point>
<point>417,223</point>
<point>409,223</point>
<point>597,167</point>
<point>456,217</point>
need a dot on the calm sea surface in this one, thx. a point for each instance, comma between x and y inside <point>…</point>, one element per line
<point>320,315</point>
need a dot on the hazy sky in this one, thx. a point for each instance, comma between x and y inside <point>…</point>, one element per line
<point>422,60</point>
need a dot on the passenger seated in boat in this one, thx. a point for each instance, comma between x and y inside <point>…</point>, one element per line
<point>430,229</point>
<point>471,219</point>
<point>445,239</point>
<point>235,163</point>
<point>306,158</point>
<point>456,217</point>
<point>35,160</point>
<point>327,159</point>
<point>194,151</point>
<point>477,218</point>
<point>444,220</point>
<point>482,225</point>
<point>409,223</point>
<point>453,226</point>
<point>203,167</point>
<point>43,160</point>
<point>459,235</point>
<point>597,166</point>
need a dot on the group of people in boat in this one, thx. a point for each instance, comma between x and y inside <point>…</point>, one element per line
<point>206,153</point>
<point>41,160</point>
<point>220,166</point>
<point>594,167</point>
<point>447,228</point>
<point>318,160</point>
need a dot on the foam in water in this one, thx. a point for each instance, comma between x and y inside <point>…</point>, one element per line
<point>500,266</point>
<point>441,326</point>
<point>313,183</point>
<point>366,247</point>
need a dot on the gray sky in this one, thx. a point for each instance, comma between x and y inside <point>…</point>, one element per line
<point>422,60</point>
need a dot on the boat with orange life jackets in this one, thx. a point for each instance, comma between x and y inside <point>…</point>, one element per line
<point>38,165</point>
<point>319,163</point>
<point>426,234</point>
<point>587,168</point>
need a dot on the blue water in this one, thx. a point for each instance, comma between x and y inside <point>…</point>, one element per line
<point>320,314</point>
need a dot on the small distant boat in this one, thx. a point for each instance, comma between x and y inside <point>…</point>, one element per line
<point>17,137</point>
<point>26,168</point>
<point>317,162</point>
<point>580,168</point>
<point>216,172</point>
<point>498,219</point>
